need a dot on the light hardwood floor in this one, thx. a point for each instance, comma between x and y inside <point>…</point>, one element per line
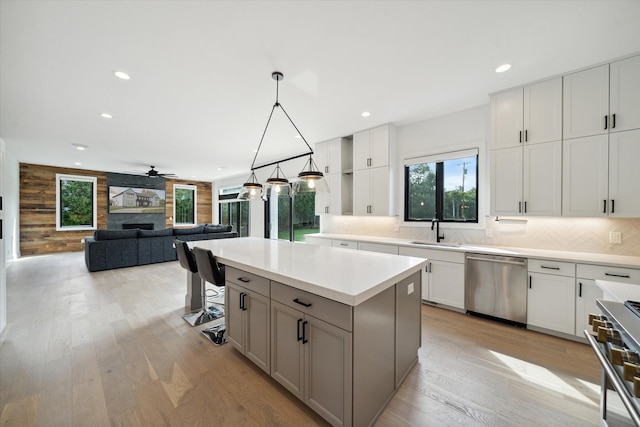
<point>110,348</point>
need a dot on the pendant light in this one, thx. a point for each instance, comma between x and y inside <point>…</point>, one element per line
<point>309,180</point>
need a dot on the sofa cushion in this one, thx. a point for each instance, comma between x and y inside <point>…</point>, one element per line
<point>115,234</point>
<point>217,228</point>
<point>155,233</point>
<point>193,230</point>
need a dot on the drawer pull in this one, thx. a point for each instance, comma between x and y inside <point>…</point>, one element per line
<point>549,268</point>
<point>244,279</point>
<point>624,276</point>
<point>297,301</point>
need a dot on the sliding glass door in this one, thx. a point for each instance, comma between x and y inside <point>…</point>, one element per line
<point>291,218</point>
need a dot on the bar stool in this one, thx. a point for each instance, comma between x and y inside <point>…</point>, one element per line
<point>196,297</point>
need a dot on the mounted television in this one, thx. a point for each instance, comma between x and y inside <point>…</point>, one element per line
<point>132,200</point>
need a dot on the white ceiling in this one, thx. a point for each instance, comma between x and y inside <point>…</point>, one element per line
<point>201,88</point>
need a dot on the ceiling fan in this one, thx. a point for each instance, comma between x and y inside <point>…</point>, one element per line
<point>153,173</point>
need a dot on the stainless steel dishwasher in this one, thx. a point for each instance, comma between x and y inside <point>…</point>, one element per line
<point>496,286</point>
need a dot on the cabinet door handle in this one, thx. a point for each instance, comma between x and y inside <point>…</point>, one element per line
<point>299,335</point>
<point>242,306</point>
<point>304,332</point>
<point>613,206</point>
<point>613,121</point>
<point>606,122</point>
<point>529,282</point>
<point>519,207</point>
<point>525,207</point>
<point>429,267</point>
<point>526,135</point>
<point>244,279</point>
<point>520,137</point>
<point>604,206</point>
<point>297,301</point>
<point>549,268</point>
<point>624,276</point>
<point>580,289</point>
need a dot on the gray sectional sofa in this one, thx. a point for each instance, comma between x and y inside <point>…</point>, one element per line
<point>108,249</point>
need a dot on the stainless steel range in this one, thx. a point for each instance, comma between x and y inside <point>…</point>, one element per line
<point>615,339</point>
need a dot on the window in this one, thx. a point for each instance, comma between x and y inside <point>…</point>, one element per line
<point>232,212</point>
<point>76,202</point>
<point>185,202</point>
<point>291,218</point>
<point>442,187</point>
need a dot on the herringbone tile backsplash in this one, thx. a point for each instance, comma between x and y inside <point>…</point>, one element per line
<point>567,234</point>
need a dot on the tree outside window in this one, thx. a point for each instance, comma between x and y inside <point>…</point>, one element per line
<point>184,204</point>
<point>445,190</point>
<point>76,202</point>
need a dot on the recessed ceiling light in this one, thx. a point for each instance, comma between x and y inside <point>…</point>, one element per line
<point>78,163</point>
<point>121,75</point>
<point>221,168</point>
<point>106,116</point>
<point>297,136</point>
<point>365,114</point>
<point>80,147</point>
<point>503,68</point>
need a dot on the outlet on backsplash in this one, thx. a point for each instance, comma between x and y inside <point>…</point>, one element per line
<point>615,237</point>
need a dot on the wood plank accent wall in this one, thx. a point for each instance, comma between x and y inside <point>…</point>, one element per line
<point>204,195</point>
<point>38,234</point>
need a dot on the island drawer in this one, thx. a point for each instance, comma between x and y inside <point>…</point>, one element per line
<point>613,274</point>
<point>333,312</point>
<point>557,268</point>
<point>247,280</point>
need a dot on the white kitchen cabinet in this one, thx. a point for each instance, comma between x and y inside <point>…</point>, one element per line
<point>586,103</point>
<point>551,296</point>
<point>603,99</point>
<point>346,244</point>
<point>599,175</point>
<point>334,159</point>
<point>527,180</point>
<point>374,172</point>
<point>443,277</point>
<point>446,283</point>
<point>320,241</point>
<point>371,148</point>
<point>378,247</point>
<point>585,176</point>
<point>527,115</point>
<point>372,192</point>
<point>624,174</point>
<point>248,316</point>
<point>587,292</point>
<point>624,95</point>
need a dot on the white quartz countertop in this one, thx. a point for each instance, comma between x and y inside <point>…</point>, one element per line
<point>343,275</point>
<point>617,291</point>
<point>579,257</point>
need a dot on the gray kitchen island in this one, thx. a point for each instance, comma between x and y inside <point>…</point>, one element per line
<point>339,329</point>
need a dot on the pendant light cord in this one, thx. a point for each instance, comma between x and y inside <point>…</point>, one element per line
<point>277,104</point>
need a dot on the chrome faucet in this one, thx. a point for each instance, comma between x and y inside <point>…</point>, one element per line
<point>435,222</point>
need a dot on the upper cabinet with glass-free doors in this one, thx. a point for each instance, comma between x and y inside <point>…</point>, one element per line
<point>602,100</point>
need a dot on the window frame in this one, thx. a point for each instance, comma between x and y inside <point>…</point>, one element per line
<point>226,198</point>
<point>83,178</point>
<point>439,159</point>
<point>194,188</point>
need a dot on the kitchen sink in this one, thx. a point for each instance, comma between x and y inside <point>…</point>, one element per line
<point>435,244</point>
